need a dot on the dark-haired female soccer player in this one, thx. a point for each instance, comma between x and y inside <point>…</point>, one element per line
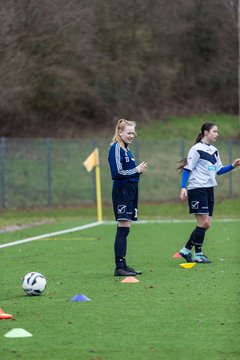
<point>199,170</point>
<point>125,176</point>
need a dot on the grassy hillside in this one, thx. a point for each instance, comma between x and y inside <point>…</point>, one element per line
<point>188,128</point>
<point>176,127</point>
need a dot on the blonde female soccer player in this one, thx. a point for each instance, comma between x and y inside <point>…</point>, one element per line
<point>200,168</point>
<point>125,175</point>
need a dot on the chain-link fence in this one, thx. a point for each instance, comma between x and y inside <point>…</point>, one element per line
<point>50,172</point>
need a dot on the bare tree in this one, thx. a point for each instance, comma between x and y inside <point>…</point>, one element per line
<point>82,63</point>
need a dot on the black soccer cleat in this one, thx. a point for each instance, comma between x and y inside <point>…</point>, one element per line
<point>137,272</point>
<point>124,272</point>
<point>187,257</point>
<point>201,259</point>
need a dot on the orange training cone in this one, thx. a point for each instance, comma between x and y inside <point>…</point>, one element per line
<point>4,316</point>
<point>177,255</point>
<point>130,279</point>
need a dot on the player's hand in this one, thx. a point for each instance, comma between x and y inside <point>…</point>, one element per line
<point>236,163</point>
<point>183,194</point>
<point>141,168</point>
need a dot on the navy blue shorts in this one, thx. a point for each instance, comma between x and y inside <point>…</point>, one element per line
<point>125,201</point>
<point>201,201</point>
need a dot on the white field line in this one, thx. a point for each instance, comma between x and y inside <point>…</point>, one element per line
<point>87,226</point>
<point>78,228</point>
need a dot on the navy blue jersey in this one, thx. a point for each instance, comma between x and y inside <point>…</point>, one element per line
<point>122,165</point>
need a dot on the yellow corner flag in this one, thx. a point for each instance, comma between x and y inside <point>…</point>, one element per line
<point>93,162</point>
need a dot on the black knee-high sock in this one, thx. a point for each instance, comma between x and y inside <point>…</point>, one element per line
<point>199,239</point>
<point>190,242</point>
<point>120,245</point>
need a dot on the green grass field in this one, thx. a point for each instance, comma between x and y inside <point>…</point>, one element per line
<point>172,313</point>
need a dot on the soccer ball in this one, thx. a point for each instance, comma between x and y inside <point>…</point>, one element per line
<point>34,283</point>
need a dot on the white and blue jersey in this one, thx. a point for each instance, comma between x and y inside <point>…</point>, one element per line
<point>122,165</point>
<point>204,162</point>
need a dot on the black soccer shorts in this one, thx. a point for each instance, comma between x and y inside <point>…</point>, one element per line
<point>125,201</point>
<point>201,201</point>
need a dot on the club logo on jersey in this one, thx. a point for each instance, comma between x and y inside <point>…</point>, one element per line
<point>121,209</point>
<point>212,168</point>
<point>195,205</point>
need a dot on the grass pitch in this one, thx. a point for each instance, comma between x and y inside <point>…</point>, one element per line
<point>172,313</point>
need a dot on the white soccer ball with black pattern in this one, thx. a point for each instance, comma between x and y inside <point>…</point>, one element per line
<point>34,283</point>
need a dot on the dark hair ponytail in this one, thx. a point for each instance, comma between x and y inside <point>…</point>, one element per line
<point>205,127</point>
<point>181,165</point>
<point>198,138</point>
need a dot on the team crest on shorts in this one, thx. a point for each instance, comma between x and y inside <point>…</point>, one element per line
<point>195,205</point>
<point>121,209</point>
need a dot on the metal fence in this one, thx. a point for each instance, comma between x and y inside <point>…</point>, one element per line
<point>50,172</point>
